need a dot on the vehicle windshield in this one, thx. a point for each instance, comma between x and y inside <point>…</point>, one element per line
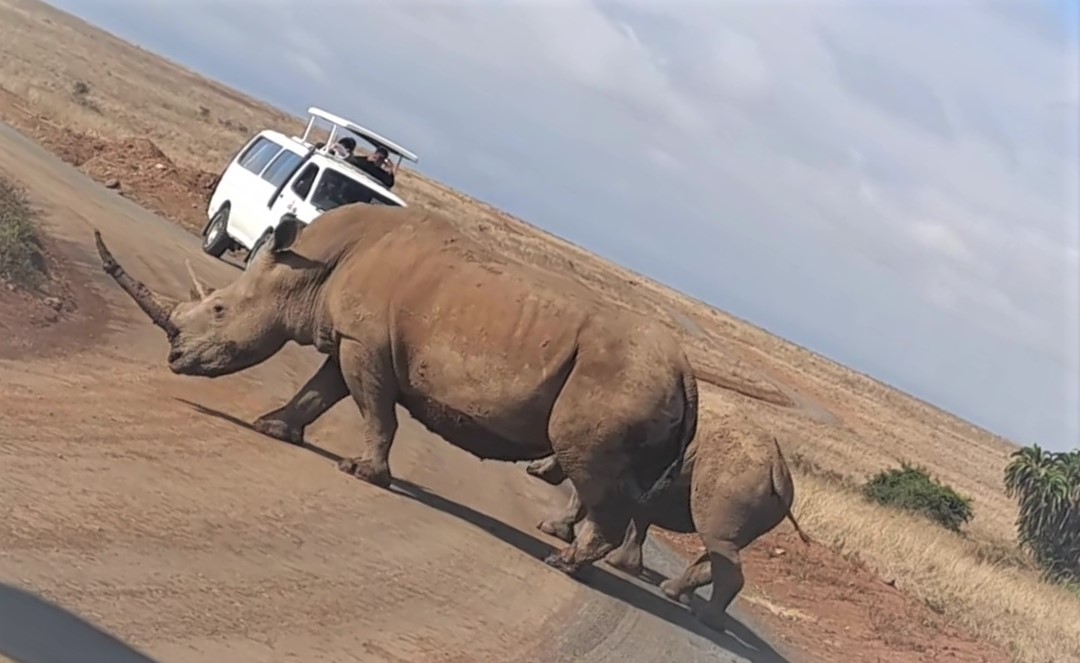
<point>335,190</point>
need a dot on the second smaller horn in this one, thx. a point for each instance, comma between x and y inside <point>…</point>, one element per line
<point>202,290</point>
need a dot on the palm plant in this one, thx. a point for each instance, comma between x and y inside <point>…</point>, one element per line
<point>1047,487</point>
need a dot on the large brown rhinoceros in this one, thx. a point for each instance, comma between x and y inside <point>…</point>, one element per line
<point>734,487</point>
<point>505,361</point>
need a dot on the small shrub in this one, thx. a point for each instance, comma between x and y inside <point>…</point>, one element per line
<point>80,92</point>
<point>912,489</point>
<point>21,260</point>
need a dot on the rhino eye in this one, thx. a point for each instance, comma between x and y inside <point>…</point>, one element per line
<point>218,310</point>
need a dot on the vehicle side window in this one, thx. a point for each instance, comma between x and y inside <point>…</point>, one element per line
<point>302,184</point>
<point>336,189</point>
<point>259,154</point>
<point>281,167</point>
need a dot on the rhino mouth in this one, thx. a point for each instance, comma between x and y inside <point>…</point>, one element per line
<point>182,365</point>
<point>224,360</point>
<point>157,307</point>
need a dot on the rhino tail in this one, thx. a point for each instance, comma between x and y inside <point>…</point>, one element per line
<point>784,488</point>
<point>687,431</point>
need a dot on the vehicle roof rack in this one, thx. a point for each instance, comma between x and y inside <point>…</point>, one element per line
<point>365,133</point>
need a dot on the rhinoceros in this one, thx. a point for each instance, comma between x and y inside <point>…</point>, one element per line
<point>503,360</point>
<point>734,486</point>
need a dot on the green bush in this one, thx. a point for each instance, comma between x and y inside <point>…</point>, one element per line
<point>912,489</point>
<point>21,259</point>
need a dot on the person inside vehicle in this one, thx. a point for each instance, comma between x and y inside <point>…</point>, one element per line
<point>379,166</point>
<point>344,148</point>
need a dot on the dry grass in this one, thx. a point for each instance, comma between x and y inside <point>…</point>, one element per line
<point>988,591</point>
<point>200,124</point>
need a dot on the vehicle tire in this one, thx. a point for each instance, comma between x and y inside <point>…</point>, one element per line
<point>216,239</point>
<point>259,244</point>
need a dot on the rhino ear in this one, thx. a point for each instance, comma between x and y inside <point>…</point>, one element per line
<point>286,233</point>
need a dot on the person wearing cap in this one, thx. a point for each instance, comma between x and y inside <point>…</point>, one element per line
<point>379,166</point>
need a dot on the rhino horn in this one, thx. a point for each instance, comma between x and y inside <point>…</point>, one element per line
<point>157,307</point>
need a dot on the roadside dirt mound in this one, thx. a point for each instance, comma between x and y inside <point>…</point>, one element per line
<point>133,166</point>
<point>130,154</point>
<point>138,169</point>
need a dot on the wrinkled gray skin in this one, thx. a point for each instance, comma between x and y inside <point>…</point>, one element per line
<point>733,488</point>
<point>502,360</point>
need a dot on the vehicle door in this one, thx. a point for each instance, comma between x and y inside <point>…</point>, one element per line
<point>281,170</point>
<point>294,196</point>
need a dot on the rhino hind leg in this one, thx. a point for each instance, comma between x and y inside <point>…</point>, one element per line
<point>369,377</point>
<point>324,390</point>
<point>727,581</point>
<point>562,525</point>
<point>697,574</point>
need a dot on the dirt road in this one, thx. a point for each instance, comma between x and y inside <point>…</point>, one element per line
<point>139,501</point>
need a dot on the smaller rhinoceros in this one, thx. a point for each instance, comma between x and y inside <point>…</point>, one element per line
<point>734,487</point>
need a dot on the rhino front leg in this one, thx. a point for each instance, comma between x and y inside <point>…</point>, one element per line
<point>628,557</point>
<point>318,395</point>
<point>562,526</point>
<point>369,376</point>
<point>598,462</point>
<point>599,529</point>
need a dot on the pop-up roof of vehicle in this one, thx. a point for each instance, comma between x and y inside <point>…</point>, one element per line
<point>337,122</point>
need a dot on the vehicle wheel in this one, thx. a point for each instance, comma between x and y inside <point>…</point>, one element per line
<point>259,244</point>
<point>215,239</point>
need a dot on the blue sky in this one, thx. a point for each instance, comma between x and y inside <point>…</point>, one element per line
<point>893,184</point>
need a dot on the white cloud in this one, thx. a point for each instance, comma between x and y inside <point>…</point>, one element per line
<point>941,238</point>
<point>928,149</point>
<point>741,71</point>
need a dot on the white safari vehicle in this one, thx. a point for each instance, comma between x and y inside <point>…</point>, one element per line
<point>274,175</point>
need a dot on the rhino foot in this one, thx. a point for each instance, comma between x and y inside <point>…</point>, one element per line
<point>628,563</point>
<point>279,430</point>
<point>674,591</point>
<point>558,561</point>
<point>558,529</point>
<point>366,470</point>
<point>547,470</point>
